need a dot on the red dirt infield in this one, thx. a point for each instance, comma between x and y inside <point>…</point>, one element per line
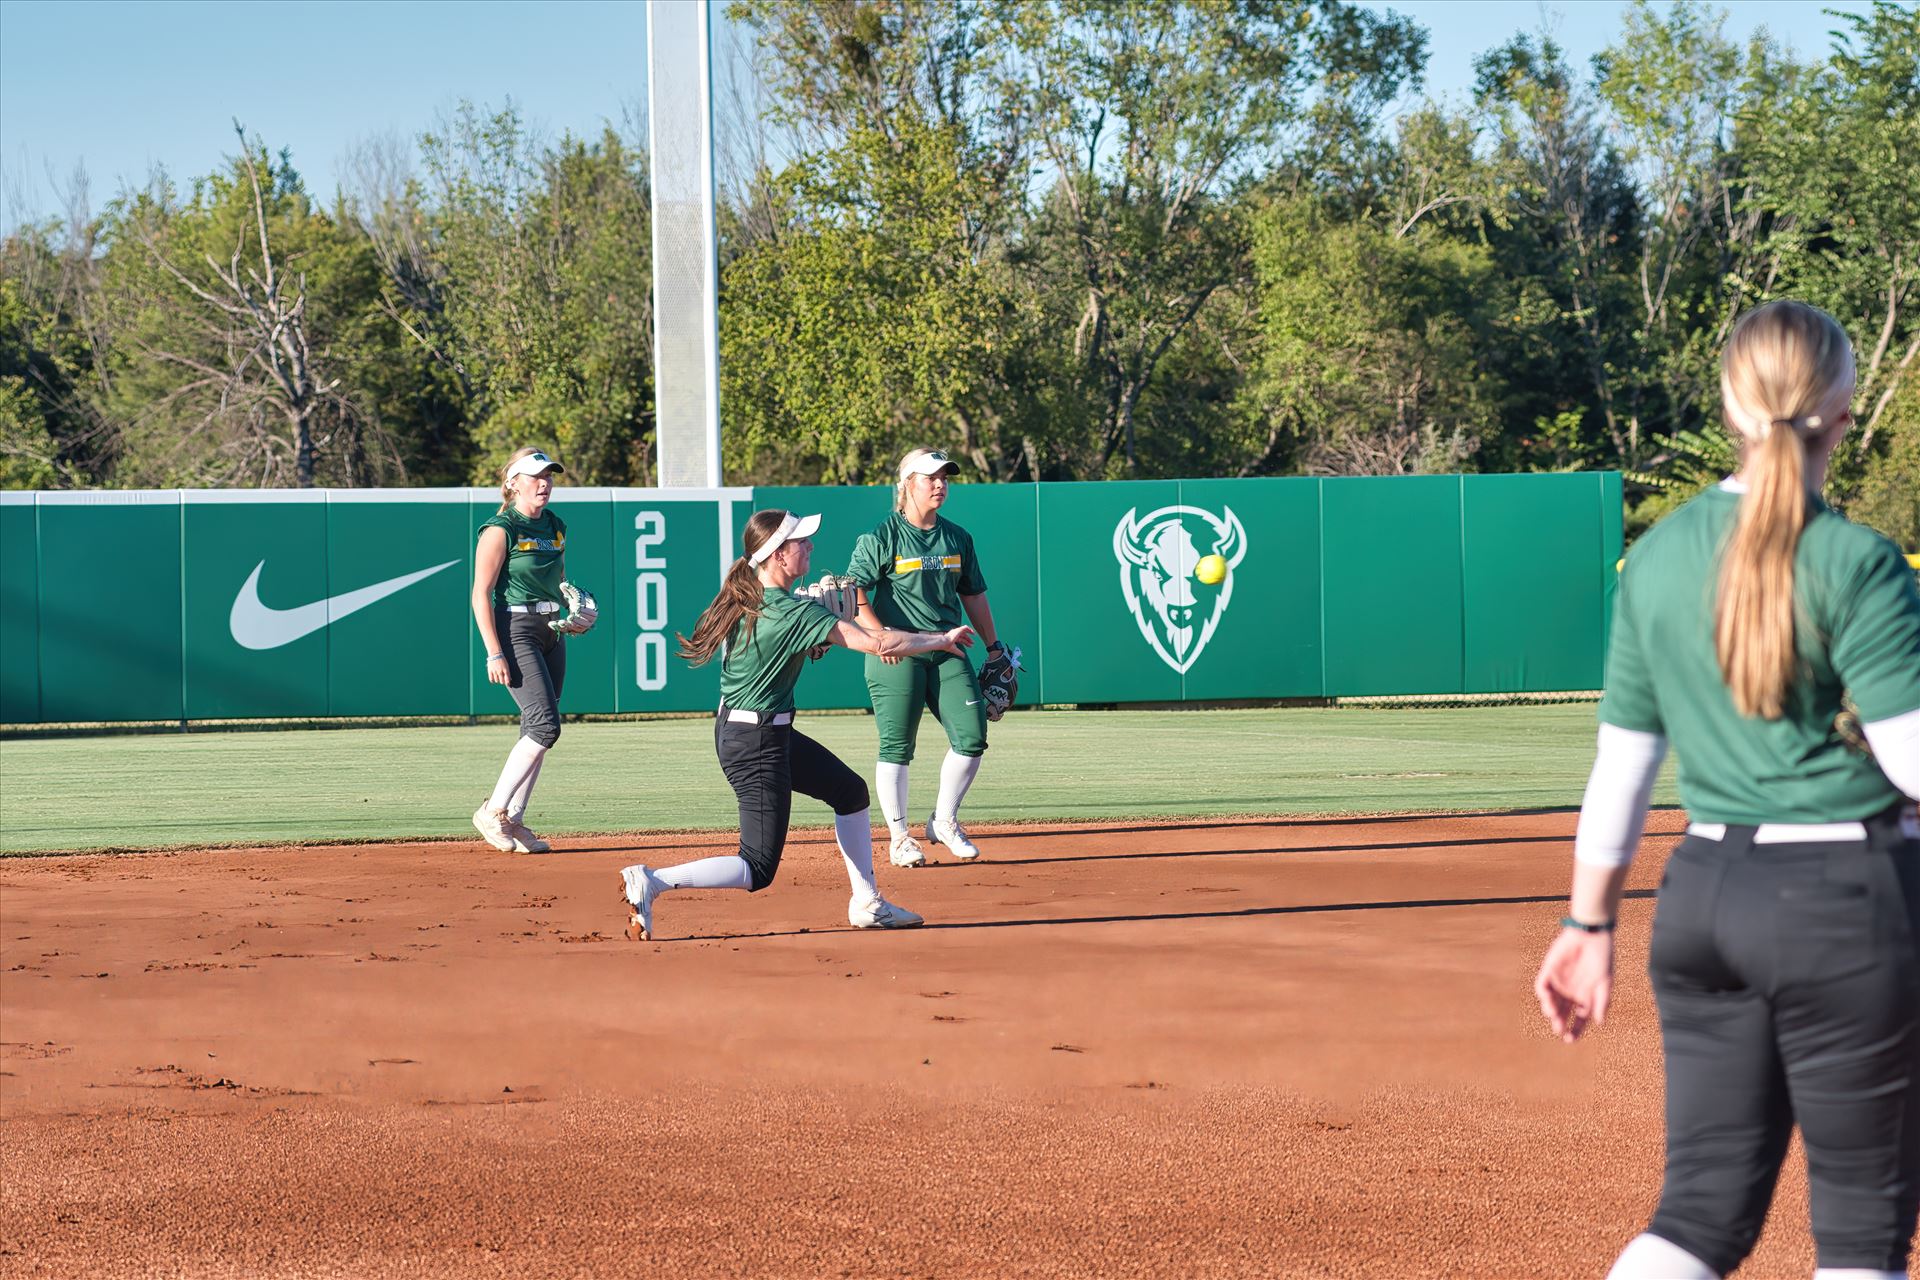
<point>1281,1047</point>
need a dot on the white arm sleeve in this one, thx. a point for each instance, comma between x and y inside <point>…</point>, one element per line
<point>1614,811</point>
<point>1896,747</point>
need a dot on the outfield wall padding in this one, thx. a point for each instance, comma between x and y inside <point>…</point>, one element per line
<point>181,604</point>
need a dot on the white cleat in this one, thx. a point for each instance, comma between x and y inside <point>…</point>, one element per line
<point>524,840</point>
<point>880,914</point>
<point>949,832</point>
<point>906,852</point>
<point>637,893</point>
<point>492,826</point>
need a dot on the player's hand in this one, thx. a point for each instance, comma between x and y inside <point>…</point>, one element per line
<point>817,652</point>
<point>1575,982</point>
<point>497,672</point>
<point>892,660</point>
<point>957,640</point>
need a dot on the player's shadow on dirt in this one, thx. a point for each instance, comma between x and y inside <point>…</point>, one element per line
<point>1355,820</point>
<point>1238,913</point>
<point>660,855</point>
<point>727,840</point>
<point>1469,842</point>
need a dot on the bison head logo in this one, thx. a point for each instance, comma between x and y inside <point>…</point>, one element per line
<point>1157,553</point>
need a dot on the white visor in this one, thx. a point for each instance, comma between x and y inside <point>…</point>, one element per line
<point>927,462</point>
<point>792,527</point>
<point>533,464</point>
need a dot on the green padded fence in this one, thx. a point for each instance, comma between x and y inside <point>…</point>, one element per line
<point>216,605</point>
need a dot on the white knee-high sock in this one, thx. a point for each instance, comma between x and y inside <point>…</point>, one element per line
<point>956,775</point>
<point>1648,1257</point>
<point>523,795</point>
<point>521,762</point>
<point>853,832</point>
<point>729,871</point>
<point>890,784</point>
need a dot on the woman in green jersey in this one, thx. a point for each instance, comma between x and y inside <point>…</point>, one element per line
<point>517,570</point>
<point>764,635</point>
<point>918,570</point>
<point>1785,956</point>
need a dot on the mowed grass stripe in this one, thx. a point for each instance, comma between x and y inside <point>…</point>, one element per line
<point>158,791</point>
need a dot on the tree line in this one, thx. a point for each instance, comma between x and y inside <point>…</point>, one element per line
<point>1086,239</point>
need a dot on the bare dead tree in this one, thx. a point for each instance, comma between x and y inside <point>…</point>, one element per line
<point>257,315</point>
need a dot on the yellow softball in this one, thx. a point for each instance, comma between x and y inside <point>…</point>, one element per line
<point>1211,569</point>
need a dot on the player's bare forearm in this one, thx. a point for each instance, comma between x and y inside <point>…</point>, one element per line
<point>489,557</point>
<point>1596,892</point>
<point>870,620</point>
<point>981,616</point>
<point>889,643</point>
<point>483,619</point>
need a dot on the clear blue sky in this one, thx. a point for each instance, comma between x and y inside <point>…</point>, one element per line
<point>125,87</point>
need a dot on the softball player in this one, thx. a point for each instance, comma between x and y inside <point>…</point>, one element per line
<point>765,635</point>
<point>1786,942</point>
<point>917,570</point>
<point>518,571</point>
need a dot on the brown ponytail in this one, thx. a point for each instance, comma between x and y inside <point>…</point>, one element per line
<point>1786,375</point>
<point>740,595</point>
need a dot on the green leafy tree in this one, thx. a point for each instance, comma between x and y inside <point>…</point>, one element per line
<point>898,252</point>
<point>1567,251</point>
<point>542,293</point>
<point>1676,89</point>
<point>51,433</point>
<point>1837,168</point>
<point>864,329</point>
<point>1369,345</point>
<point>1152,117</point>
<point>1888,493</point>
<point>1823,204</point>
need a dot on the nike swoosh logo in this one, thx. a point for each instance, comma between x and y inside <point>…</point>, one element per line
<point>974,703</point>
<point>255,626</point>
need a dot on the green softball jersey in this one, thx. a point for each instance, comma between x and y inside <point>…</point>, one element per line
<point>536,557</point>
<point>759,673</point>
<point>1858,632</point>
<point>915,577</point>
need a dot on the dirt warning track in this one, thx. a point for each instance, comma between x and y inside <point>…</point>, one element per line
<point>1281,1047</point>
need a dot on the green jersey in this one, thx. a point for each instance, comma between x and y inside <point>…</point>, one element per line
<point>1858,632</point>
<point>536,557</point>
<point>915,577</point>
<point>759,671</point>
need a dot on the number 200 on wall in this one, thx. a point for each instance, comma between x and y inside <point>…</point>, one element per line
<point>650,594</point>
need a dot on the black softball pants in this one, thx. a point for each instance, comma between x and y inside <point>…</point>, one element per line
<point>536,669</point>
<point>766,764</point>
<point>1788,985</point>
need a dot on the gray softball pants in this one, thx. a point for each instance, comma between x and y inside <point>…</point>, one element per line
<point>1788,982</point>
<point>536,669</point>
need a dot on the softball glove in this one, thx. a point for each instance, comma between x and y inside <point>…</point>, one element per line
<point>581,613</point>
<point>1000,679</point>
<point>837,595</point>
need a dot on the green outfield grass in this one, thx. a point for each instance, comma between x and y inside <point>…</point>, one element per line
<point>154,791</point>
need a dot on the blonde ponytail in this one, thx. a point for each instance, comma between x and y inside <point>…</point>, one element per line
<point>1753,619</point>
<point>1786,374</point>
